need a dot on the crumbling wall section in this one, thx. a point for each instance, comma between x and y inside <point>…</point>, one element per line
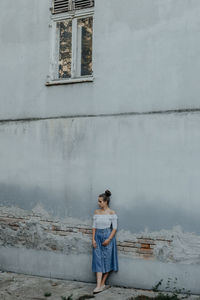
<point>36,229</point>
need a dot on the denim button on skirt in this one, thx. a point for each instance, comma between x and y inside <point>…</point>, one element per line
<point>104,258</point>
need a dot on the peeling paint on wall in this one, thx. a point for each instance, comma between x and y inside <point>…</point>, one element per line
<point>36,229</point>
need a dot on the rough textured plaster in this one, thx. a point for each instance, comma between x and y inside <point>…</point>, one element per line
<point>38,230</point>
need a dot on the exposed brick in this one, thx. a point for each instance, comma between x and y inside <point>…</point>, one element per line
<point>54,248</point>
<point>83,230</point>
<point>146,241</point>
<point>58,232</point>
<point>11,220</point>
<point>144,251</point>
<point>56,235</point>
<point>129,244</point>
<point>14,227</point>
<point>163,240</point>
<point>55,227</point>
<point>147,246</point>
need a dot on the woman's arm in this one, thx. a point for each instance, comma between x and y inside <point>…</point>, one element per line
<point>112,234</point>
<point>93,233</point>
<point>94,244</point>
<point>107,241</point>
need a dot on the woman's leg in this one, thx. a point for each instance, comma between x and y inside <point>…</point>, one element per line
<point>99,277</point>
<point>104,278</point>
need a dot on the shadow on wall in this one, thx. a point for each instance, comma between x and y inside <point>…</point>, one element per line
<point>67,204</point>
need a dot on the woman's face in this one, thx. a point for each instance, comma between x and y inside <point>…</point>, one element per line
<point>101,203</point>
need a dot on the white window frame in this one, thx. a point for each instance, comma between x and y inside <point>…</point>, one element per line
<point>76,63</point>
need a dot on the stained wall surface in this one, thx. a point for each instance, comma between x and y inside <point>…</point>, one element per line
<point>135,130</point>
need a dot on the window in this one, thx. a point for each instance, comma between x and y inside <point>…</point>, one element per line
<point>72,35</point>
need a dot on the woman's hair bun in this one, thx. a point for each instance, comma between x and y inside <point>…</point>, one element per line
<point>107,193</point>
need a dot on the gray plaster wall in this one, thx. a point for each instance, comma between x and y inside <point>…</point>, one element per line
<point>146,58</point>
<point>135,129</point>
<point>151,164</point>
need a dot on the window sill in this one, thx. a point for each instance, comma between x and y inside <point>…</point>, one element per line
<point>69,81</point>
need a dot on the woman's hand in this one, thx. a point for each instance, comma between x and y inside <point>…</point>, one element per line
<point>106,242</point>
<point>94,243</point>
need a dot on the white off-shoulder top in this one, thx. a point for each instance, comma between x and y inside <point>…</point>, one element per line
<point>105,221</point>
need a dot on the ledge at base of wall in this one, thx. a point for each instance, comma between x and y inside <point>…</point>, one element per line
<point>132,272</point>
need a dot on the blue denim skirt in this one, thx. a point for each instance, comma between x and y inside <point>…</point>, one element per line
<point>104,258</point>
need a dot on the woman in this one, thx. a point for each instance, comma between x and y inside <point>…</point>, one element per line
<point>104,251</point>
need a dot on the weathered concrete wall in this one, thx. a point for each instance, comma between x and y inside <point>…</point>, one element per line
<point>33,242</point>
<point>103,134</point>
<point>146,58</point>
<point>150,163</point>
<point>45,163</point>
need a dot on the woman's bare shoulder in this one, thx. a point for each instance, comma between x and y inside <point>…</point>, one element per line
<point>97,212</point>
<point>112,212</point>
